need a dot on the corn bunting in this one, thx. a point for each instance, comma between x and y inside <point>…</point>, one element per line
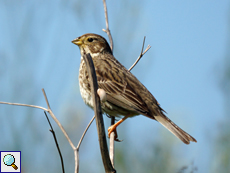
<point>125,95</point>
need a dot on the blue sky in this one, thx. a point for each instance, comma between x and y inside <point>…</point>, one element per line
<point>182,69</point>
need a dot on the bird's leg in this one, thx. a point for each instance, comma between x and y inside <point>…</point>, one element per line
<point>113,128</point>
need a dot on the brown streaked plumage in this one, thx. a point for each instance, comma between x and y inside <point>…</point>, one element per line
<point>126,95</point>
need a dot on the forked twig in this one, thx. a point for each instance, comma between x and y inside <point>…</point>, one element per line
<point>141,54</point>
<point>54,118</point>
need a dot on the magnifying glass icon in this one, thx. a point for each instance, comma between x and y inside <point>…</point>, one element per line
<point>9,160</point>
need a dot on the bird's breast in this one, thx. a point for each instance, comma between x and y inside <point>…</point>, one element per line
<point>85,85</point>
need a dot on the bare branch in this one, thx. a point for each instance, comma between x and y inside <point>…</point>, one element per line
<point>98,114</point>
<point>141,54</point>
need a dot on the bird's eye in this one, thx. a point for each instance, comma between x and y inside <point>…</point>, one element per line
<point>90,39</point>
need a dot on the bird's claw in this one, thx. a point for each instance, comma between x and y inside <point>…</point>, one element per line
<point>113,129</point>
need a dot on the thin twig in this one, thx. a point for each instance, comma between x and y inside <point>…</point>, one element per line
<point>19,104</point>
<point>107,31</point>
<point>55,139</point>
<point>141,54</point>
<point>83,135</point>
<point>79,143</point>
<point>47,102</point>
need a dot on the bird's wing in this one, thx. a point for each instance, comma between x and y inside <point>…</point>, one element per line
<point>120,93</point>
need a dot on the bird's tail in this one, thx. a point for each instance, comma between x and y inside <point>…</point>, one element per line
<point>172,127</point>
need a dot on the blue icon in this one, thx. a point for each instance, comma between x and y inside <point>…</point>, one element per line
<point>9,160</point>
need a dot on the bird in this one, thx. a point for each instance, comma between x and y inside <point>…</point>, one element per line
<point>126,96</point>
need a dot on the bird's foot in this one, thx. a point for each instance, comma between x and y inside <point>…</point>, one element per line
<point>111,129</point>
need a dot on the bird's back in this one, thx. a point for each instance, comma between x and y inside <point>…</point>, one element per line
<point>123,87</point>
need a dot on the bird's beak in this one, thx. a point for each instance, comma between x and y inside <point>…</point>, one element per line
<point>77,41</point>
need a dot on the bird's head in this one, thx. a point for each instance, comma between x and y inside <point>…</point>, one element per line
<point>92,43</point>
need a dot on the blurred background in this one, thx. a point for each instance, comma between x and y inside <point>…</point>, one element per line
<point>187,70</point>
